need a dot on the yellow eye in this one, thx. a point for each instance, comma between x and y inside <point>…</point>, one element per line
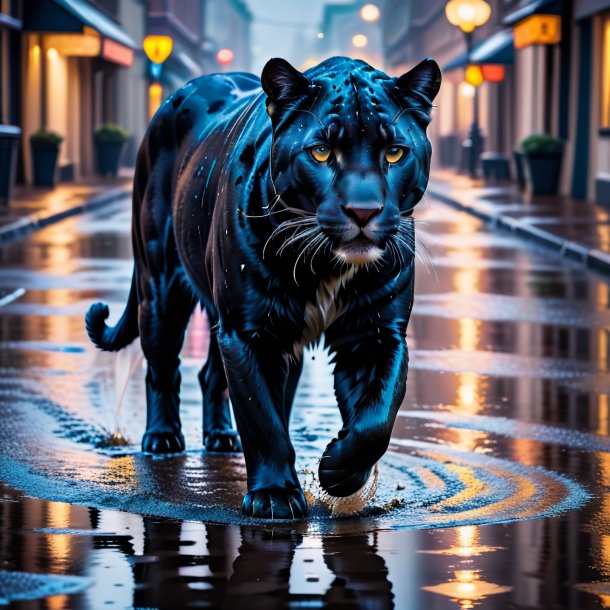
<point>320,153</point>
<point>394,154</point>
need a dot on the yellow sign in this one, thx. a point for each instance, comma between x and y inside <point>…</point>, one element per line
<point>538,29</point>
<point>474,76</point>
<point>158,48</point>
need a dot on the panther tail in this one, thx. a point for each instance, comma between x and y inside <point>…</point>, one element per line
<point>114,338</point>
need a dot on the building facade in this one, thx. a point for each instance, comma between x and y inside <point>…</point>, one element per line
<point>590,116</point>
<point>228,25</point>
<point>80,63</point>
<point>72,53</point>
<point>555,56</point>
<point>346,33</point>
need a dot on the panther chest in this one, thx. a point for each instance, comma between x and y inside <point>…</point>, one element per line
<point>323,310</point>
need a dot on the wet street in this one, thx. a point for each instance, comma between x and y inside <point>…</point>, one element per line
<point>495,492</point>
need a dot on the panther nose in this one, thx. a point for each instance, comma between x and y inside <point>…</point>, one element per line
<point>362,213</point>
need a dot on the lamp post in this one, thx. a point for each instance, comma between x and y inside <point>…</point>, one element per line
<point>469,15</point>
<point>157,49</point>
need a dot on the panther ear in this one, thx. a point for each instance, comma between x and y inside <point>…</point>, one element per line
<point>421,84</point>
<point>283,84</point>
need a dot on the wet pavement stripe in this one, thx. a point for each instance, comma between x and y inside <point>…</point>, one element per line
<point>516,429</point>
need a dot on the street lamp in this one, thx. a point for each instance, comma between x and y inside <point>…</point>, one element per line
<point>225,56</point>
<point>360,41</point>
<point>157,49</point>
<point>370,12</point>
<point>469,15</point>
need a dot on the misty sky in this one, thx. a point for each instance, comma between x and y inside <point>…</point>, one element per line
<point>293,42</point>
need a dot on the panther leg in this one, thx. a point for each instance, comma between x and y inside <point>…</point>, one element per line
<point>218,432</point>
<point>370,383</point>
<point>163,320</point>
<point>256,376</point>
<point>294,374</point>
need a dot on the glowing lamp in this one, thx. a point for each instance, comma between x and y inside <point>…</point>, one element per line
<point>225,56</point>
<point>360,41</point>
<point>474,76</point>
<point>158,48</point>
<point>493,73</point>
<point>467,14</point>
<point>155,97</point>
<point>538,29</point>
<point>466,90</point>
<point>370,12</point>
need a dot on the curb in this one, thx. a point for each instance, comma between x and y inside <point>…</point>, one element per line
<point>33,222</point>
<point>594,259</point>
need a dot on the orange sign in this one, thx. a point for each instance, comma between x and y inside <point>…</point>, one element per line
<point>538,29</point>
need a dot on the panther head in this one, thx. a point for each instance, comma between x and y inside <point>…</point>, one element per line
<point>350,149</point>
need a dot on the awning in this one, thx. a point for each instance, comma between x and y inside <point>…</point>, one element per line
<point>79,17</point>
<point>540,7</point>
<point>497,49</point>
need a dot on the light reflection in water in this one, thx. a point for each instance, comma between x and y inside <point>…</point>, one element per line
<point>59,516</point>
<point>600,547</point>
<point>465,585</point>
<point>466,281</point>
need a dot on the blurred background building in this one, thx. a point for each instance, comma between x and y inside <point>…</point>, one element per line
<point>552,75</point>
<point>71,65</point>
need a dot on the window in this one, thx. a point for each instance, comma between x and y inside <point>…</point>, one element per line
<point>605,118</point>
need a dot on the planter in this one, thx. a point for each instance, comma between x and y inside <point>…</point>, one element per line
<point>543,172</point>
<point>520,169</point>
<point>44,162</point>
<point>108,155</point>
<point>9,143</point>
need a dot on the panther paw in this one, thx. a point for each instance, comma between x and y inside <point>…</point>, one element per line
<point>275,503</point>
<point>222,441</point>
<point>163,443</point>
<point>348,462</point>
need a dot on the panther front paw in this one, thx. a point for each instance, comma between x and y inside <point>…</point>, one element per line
<point>222,441</point>
<point>348,462</point>
<point>276,503</point>
<point>163,443</point>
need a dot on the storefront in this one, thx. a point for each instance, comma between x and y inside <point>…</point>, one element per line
<point>495,56</point>
<point>71,55</point>
<point>593,145</point>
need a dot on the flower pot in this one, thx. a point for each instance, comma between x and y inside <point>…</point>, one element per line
<point>520,169</point>
<point>543,172</point>
<point>108,155</point>
<point>44,161</point>
<point>9,142</point>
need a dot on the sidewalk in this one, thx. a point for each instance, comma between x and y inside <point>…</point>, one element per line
<point>32,208</point>
<point>577,229</point>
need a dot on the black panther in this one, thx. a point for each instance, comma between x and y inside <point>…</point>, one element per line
<point>285,213</point>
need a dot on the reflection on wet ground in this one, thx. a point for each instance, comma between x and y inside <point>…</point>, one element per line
<point>493,494</point>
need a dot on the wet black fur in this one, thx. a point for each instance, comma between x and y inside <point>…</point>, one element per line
<point>207,199</point>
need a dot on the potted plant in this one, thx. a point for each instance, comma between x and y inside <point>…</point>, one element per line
<point>543,154</point>
<point>109,141</point>
<point>44,145</point>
